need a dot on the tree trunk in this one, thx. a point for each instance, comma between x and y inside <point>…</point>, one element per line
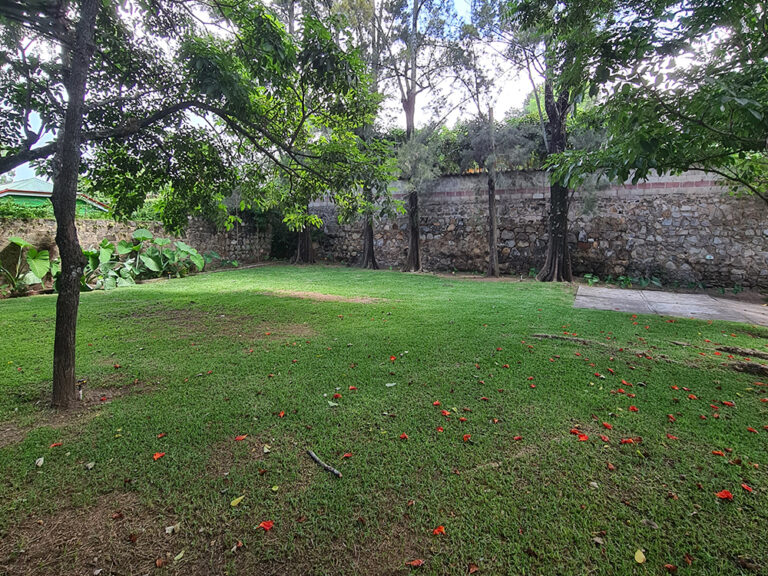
<point>304,252</point>
<point>66,165</point>
<point>369,257</point>
<point>493,230</point>
<point>413,261</point>
<point>557,265</point>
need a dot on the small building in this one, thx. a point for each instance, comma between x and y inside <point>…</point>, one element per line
<point>35,193</point>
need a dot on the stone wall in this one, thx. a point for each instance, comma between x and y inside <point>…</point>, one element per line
<point>244,243</point>
<point>684,228</point>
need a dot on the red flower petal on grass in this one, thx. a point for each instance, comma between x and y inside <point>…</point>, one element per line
<point>462,419</point>
<point>55,445</point>
<point>241,437</point>
<point>436,403</point>
<point>724,495</point>
<point>347,455</point>
<point>670,417</point>
<point>336,396</point>
<point>467,437</point>
<point>161,435</point>
<point>281,414</point>
<point>403,436</point>
<point>746,487</point>
<point>517,438</point>
<point>672,437</point>
<point>675,387</point>
<point>353,387</point>
<point>692,397</point>
<point>415,563</point>
<point>267,525</point>
<point>445,412</point>
<point>575,431</point>
<point>727,403</point>
<point>750,429</point>
<point>633,409</point>
<point>440,429</point>
<point>439,530</point>
<point>627,441</point>
<point>718,453</point>
<point>484,399</point>
<point>604,438</point>
<point>583,437</point>
<point>158,455</point>
<point>392,358</point>
<point>608,426</point>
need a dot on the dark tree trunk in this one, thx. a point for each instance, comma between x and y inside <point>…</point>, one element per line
<point>304,252</point>
<point>66,165</point>
<point>368,259</point>
<point>493,229</point>
<point>412,260</point>
<point>557,265</point>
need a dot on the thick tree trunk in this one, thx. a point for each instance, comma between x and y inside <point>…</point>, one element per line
<point>66,165</point>
<point>304,251</point>
<point>557,265</point>
<point>493,229</point>
<point>368,259</point>
<point>412,260</point>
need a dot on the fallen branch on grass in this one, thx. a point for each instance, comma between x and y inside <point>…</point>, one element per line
<point>743,352</point>
<point>330,469</point>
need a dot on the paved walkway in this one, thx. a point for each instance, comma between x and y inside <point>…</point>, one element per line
<point>700,306</point>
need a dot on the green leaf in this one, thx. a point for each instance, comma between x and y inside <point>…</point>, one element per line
<point>143,234</point>
<point>125,247</point>
<point>105,254</point>
<point>21,243</point>
<point>198,261</point>
<point>151,263</point>
<point>38,262</point>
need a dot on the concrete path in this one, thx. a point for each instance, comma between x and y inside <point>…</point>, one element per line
<point>699,306</point>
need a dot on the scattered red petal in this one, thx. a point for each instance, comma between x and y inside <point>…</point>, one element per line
<point>505,366</point>
<point>103,398</point>
<point>241,437</point>
<point>670,417</point>
<point>718,453</point>
<point>575,431</point>
<point>403,436</point>
<point>724,495</point>
<point>484,399</point>
<point>347,455</point>
<point>672,437</point>
<point>55,445</point>
<point>517,438</point>
<point>671,568</point>
<point>608,426</point>
<point>353,387</point>
<point>611,467</point>
<point>267,525</point>
<point>158,455</point>
<point>583,437</point>
<point>161,435</point>
<point>675,387</point>
<point>633,409</point>
<point>281,414</point>
<point>117,366</point>
<point>746,487</point>
<point>462,419</point>
<point>727,403</point>
<point>467,437</point>
<point>336,396</point>
<point>440,429</point>
<point>750,429</point>
<point>439,530</point>
<point>604,438</point>
<point>445,412</point>
<point>627,441</point>
<point>415,563</point>
<point>436,403</point>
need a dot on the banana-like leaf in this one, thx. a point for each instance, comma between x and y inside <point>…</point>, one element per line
<point>20,242</point>
<point>39,263</point>
<point>151,263</point>
<point>198,261</point>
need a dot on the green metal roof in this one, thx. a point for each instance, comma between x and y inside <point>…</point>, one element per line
<point>28,185</point>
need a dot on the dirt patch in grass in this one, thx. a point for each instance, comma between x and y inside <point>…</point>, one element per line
<point>326,297</point>
<point>76,417</point>
<point>201,323</point>
<point>117,534</point>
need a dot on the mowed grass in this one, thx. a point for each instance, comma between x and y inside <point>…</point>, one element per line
<point>205,359</point>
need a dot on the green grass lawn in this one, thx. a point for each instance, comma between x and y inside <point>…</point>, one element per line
<point>184,367</point>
